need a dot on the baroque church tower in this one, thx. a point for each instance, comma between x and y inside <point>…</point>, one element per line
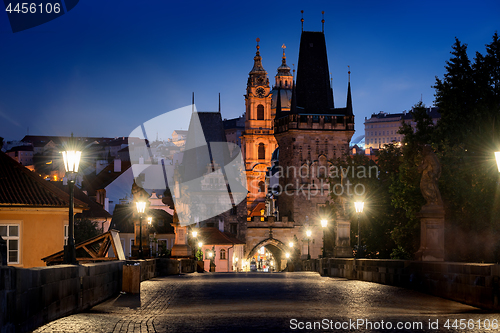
<point>258,142</point>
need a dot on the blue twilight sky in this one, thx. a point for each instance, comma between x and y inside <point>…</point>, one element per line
<point>105,67</point>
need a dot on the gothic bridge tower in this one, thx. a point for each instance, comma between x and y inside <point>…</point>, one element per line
<point>258,142</point>
<point>311,134</point>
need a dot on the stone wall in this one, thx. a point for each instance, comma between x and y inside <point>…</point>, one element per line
<point>166,267</point>
<point>474,284</point>
<point>34,296</point>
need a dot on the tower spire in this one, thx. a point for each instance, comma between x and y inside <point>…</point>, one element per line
<point>192,107</point>
<point>302,19</point>
<point>257,61</point>
<point>349,99</point>
<point>219,102</point>
<point>323,22</point>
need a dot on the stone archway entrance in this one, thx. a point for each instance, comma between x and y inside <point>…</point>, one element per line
<point>276,248</point>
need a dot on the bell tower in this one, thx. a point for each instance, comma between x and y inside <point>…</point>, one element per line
<point>258,142</point>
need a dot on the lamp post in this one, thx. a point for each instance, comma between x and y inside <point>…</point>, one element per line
<point>71,162</point>
<point>359,209</point>
<point>141,207</point>
<point>324,224</point>
<point>308,234</point>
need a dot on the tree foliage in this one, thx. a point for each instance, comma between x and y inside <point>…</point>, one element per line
<point>464,139</point>
<point>85,229</point>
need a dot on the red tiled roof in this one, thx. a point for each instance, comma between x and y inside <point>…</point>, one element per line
<point>256,210</point>
<point>93,182</point>
<point>95,210</point>
<point>213,236</point>
<point>22,187</point>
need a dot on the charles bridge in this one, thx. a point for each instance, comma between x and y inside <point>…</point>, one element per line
<point>87,297</point>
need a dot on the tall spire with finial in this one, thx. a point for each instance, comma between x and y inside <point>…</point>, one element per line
<point>349,99</point>
<point>257,64</point>
<point>323,22</point>
<point>192,106</point>
<point>219,102</point>
<point>302,19</point>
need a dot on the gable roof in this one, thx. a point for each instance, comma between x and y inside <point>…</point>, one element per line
<point>94,182</point>
<point>213,236</point>
<point>94,210</point>
<point>22,187</point>
<point>124,214</point>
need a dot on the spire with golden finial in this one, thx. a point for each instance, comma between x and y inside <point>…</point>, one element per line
<point>257,65</point>
<point>323,22</point>
<point>349,73</point>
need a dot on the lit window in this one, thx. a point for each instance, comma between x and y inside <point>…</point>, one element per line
<point>10,233</point>
<point>223,254</point>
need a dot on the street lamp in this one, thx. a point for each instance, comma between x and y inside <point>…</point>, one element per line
<point>71,162</point>
<point>195,234</point>
<point>308,234</point>
<point>497,157</point>
<point>150,220</point>
<point>141,207</point>
<point>290,244</point>
<point>359,209</point>
<point>324,224</point>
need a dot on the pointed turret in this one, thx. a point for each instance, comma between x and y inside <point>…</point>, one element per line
<point>349,99</point>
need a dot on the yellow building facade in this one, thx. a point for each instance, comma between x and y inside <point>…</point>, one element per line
<point>33,215</point>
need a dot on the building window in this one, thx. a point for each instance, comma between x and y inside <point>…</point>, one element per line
<point>10,233</point>
<point>260,112</point>
<point>262,187</point>
<point>262,151</point>
<point>223,254</point>
<point>66,233</point>
<point>233,228</point>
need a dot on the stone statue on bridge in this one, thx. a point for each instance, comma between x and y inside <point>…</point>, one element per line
<point>431,171</point>
<point>432,213</point>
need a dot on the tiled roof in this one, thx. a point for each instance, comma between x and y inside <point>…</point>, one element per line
<point>93,182</point>
<point>95,210</point>
<point>313,92</point>
<point>213,236</point>
<point>123,215</point>
<point>21,187</point>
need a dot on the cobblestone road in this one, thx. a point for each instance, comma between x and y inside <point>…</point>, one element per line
<point>272,302</point>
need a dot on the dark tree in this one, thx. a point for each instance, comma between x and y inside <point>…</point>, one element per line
<point>85,229</point>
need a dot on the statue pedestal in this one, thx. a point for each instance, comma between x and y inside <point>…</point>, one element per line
<point>431,233</point>
<point>180,249</point>
<point>343,247</point>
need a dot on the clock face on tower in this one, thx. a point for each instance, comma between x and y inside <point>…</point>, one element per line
<point>260,92</point>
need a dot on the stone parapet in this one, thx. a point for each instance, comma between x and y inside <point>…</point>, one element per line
<point>474,284</point>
